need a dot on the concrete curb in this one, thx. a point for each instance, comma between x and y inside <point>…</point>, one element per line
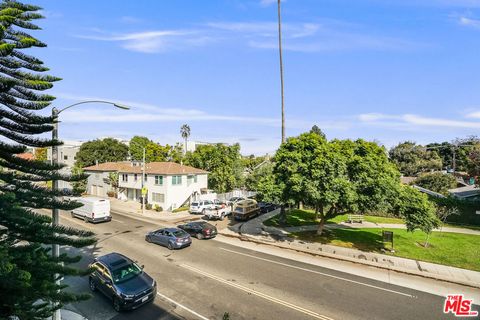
<point>357,261</point>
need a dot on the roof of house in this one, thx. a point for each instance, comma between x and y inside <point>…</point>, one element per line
<point>465,192</point>
<point>26,156</point>
<point>150,168</point>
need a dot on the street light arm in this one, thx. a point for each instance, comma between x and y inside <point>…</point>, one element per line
<point>94,101</point>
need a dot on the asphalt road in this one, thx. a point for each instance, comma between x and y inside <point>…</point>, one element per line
<point>210,278</point>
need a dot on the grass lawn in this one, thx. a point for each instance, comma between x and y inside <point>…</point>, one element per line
<point>453,249</point>
<point>298,217</point>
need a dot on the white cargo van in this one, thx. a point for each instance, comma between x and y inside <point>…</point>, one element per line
<point>93,210</point>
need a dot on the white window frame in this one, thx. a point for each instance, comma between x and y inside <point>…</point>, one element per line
<point>124,177</point>
<point>158,178</point>
<point>157,194</point>
<point>177,180</point>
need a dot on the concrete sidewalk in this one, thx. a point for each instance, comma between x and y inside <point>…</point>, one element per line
<point>371,225</point>
<point>255,231</point>
<point>134,209</point>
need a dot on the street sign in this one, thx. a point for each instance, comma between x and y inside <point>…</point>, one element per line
<point>387,236</point>
<point>144,191</point>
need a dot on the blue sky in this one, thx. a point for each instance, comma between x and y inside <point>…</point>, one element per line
<point>384,70</point>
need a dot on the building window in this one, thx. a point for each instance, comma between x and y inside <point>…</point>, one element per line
<point>145,178</point>
<point>158,197</point>
<point>124,177</point>
<point>176,180</point>
<point>65,157</point>
<point>135,177</point>
<point>158,180</point>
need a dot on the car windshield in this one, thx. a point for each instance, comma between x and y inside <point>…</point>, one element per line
<point>195,204</point>
<point>126,272</point>
<point>179,233</point>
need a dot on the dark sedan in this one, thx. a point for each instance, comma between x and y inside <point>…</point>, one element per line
<point>200,229</point>
<point>266,207</point>
<point>122,280</point>
<point>172,238</point>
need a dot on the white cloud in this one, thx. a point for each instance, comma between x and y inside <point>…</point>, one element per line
<point>475,114</point>
<point>416,120</point>
<point>153,41</point>
<point>464,21</point>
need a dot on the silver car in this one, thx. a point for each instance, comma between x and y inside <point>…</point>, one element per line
<point>201,206</point>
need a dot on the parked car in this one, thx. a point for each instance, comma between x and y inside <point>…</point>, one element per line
<point>199,229</point>
<point>246,209</point>
<point>93,209</point>
<point>172,238</point>
<point>201,206</point>
<point>266,207</point>
<point>122,280</point>
<point>218,213</point>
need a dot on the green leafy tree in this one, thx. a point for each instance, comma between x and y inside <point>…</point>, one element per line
<point>436,181</point>
<point>27,269</point>
<point>79,186</point>
<point>106,150</point>
<point>461,148</point>
<point>412,159</point>
<point>185,132</point>
<point>317,130</point>
<point>474,163</point>
<point>417,210</point>
<point>113,181</point>
<point>223,162</point>
<point>41,154</point>
<point>253,177</point>
<point>136,145</point>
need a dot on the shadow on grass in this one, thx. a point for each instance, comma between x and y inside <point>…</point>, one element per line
<point>348,238</point>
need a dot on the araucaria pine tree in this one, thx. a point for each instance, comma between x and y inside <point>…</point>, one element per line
<point>27,269</point>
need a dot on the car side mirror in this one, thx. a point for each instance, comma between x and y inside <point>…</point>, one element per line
<point>142,266</point>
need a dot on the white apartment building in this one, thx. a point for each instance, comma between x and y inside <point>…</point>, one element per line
<point>67,155</point>
<point>168,184</point>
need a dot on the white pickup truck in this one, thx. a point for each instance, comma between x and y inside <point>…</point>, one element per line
<point>218,214</point>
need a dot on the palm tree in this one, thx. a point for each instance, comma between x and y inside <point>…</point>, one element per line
<point>281,69</point>
<point>185,132</point>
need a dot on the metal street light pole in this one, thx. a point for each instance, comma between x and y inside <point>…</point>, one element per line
<point>55,216</point>
<point>143,183</point>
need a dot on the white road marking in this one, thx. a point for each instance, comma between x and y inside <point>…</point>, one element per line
<point>321,273</point>
<point>182,306</point>
<point>259,294</point>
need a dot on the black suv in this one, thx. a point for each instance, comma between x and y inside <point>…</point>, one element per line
<point>122,280</point>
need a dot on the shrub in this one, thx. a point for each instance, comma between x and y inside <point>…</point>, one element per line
<point>158,208</point>
<point>148,206</point>
<point>111,194</point>
<point>180,209</point>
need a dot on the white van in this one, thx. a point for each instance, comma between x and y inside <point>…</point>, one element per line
<point>94,209</point>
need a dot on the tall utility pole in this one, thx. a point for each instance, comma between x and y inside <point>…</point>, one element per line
<point>55,216</point>
<point>143,183</point>
<point>55,213</point>
<point>281,69</point>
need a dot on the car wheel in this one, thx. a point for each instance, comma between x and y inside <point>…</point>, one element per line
<point>203,211</point>
<point>72,214</point>
<point>170,246</point>
<point>199,236</point>
<point>147,238</point>
<point>92,285</point>
<point>116,305</point>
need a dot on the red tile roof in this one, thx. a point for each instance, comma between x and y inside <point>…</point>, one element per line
<point>26,156</point>
<point>150,168</point>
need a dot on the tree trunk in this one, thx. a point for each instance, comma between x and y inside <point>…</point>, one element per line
<point>322,220</point>
<point>283,217</point>
<point>426,241</point>
<point>316,212</point>
<point>300,205</point>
